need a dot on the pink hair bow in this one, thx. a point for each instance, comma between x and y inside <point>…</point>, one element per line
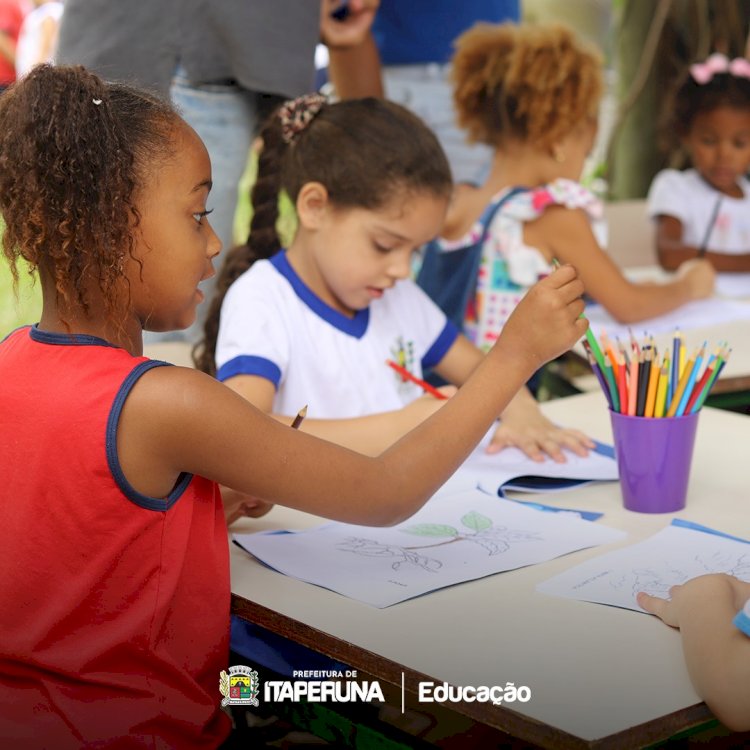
<point>703,72</point>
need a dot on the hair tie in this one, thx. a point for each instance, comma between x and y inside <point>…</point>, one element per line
<point>704,72</point>
<point>296,114</point>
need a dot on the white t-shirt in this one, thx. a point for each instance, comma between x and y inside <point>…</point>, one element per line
<point>689,198</point>
<point>274,326</point>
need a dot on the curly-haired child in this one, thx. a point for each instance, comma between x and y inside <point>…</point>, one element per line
<point>532,93</point>
<point>705,210</point>
<point>114,594</point>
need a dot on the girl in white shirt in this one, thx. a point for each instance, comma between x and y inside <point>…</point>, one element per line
<point>705,210</point>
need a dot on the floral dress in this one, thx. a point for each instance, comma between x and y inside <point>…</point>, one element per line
<point>508,267</point>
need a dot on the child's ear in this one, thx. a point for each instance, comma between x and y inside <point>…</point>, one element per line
<point>312,203</point>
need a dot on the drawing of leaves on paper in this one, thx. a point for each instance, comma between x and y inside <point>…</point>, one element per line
<point>723,562</point>
<point>494,539</point>
<point>371,548</point>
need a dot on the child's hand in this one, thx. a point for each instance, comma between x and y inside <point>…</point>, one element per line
<point>547,321</point>
<point>538,440</point>
<point>239,505</point>
<point>700,277</point>
<point>697,592</point>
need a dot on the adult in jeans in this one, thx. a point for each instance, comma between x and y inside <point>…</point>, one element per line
<point>414,43</point>
<point>224,62</point>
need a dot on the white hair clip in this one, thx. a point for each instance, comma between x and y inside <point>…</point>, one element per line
<point>97,101</point>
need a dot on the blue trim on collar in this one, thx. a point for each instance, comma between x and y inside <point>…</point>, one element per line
<point>439,348</point>
<point>67,339</point>
<point>356,326</point>
<point>248,364</point>
<point>113,460</point>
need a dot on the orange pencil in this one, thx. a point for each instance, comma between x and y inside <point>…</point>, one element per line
<point>406,375</point>
<point>653,382</point>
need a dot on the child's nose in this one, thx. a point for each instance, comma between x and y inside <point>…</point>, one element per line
<point>400,266</point>
<point>214,243</point>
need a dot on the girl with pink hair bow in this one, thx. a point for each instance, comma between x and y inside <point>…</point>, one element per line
<point>704,211</point>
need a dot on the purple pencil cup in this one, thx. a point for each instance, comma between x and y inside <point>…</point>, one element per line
<point>654,457</point>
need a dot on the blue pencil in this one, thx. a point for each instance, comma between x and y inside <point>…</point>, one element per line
<point>691,381</point>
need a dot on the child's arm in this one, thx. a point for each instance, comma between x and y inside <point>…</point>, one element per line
<point>716,651</point>
<point>523,424</point>
<point>566,234</point>
<point>178,420</point>
<point>370,434</point>
<point>672,252</point>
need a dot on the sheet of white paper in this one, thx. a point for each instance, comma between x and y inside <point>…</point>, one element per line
<point>455,537</point>
<point>492,471</point>
<point>698,314</point>
<point>671,556</point>
<point>736,285</point>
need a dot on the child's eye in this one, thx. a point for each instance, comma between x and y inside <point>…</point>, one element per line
<point>199,216</point>
<point>382,248</point>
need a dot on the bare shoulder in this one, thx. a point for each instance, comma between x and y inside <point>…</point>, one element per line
<point>466,207</point>
<point>559,227</point>
<point>168,403</point>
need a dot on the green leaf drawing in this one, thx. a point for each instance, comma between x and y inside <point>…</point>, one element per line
<point>432,529</point>
<point>476,521</point>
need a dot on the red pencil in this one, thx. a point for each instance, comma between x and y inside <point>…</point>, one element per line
<point>406,375</point>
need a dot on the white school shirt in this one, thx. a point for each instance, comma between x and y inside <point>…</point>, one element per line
<point>688,197</point>
<point>273,326</point>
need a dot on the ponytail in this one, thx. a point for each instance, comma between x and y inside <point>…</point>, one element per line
<point>262,243</point>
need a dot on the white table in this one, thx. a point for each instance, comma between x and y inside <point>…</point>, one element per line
<point>600,676</point>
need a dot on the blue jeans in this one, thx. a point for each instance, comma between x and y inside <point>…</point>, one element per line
<point>426,90</point>
<point>226,119</point>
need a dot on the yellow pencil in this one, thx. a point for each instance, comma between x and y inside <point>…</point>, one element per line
<point>653,381</point>
<point>661,391</point>
<point>677,396</point>
<point>681,362</point>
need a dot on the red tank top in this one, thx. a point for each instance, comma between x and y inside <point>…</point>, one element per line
<point>114,606</point>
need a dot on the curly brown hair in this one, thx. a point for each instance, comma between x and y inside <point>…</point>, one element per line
<point>364,151</point>
<point>74,151</point>
<point>524,82</point>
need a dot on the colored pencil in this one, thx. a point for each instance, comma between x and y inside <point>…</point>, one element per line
<point>600,377</point>
<point>301,414</point>
<point>721,360</point>
<point>691,381</point>
<point>644,373</point>
<point>607,345</point>
<point>675,376</point>
<point>677,396</point>
<point>653,382</point>
<point>622,384</point>
<point>661,390</point>
<point>406,375</point>
<point>609,375</point>
<point>699,386</point>
<point>633,387</point>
